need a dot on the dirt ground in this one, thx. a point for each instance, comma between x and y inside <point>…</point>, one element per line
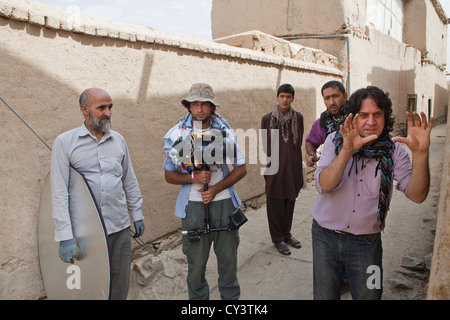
<point>264,274</point>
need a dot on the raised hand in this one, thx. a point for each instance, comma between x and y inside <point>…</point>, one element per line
<point>352,141</point>
<point>418,139</point>
<point>352,138</point>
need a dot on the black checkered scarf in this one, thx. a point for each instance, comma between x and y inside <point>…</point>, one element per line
<point>381,150</point>
<point>278,120</point>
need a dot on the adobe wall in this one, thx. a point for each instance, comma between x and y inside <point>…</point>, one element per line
<point>415,66</point>
<point>425,30</point>
<point>285,17</point>
<point>47,59</point>
<point>439,282</point>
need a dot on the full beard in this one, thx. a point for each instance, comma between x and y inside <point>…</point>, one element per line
<point>99,125</point>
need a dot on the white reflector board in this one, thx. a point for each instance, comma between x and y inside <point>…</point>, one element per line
<point>88,278</point>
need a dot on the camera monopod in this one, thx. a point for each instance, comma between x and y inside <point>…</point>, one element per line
<point>237,219</point>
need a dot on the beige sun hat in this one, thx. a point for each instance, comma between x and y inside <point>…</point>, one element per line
<point>199,92</point>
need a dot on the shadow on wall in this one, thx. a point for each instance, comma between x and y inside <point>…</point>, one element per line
<point>395,82</point>
<point>24,163</point>
<point>440,104</point>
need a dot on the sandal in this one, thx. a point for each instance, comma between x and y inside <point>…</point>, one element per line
<point>294,242</point>
<point>281,247</point>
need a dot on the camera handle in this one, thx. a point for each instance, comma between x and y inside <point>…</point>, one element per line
<point>237,219</point>
<point>208,230</point>
<point>205,167</point>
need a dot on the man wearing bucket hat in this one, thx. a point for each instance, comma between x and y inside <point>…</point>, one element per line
<point>219,199</point>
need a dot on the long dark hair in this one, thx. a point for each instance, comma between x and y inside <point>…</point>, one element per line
<point>381,99</point>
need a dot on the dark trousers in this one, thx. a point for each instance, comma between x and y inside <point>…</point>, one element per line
<point>360,257</point>
<point>120,262</point>
<point>279,214</point>
<point>225,244</point>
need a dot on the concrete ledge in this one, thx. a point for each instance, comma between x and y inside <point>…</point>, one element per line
<point>268,44</point>
<point>54,18</point>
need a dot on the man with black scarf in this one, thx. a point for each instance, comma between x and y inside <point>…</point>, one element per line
<point>355,180</point>
<point>335,98</point>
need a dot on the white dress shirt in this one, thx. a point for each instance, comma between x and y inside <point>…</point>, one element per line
<point>106,166</point>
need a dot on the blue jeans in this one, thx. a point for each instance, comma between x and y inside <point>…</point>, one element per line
<point>360,257</point>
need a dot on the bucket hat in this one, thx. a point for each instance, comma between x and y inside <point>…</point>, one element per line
<point>199,92</point>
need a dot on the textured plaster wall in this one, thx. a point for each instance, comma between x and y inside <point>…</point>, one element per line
<point>439,283</point>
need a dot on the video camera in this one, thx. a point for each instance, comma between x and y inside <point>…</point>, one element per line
<point>197,153</point>
<point>203,148</point>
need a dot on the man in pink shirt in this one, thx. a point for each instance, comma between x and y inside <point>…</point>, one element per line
<point>354,178</point>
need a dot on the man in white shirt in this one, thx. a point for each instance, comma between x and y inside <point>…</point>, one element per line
<point>102,156</point>
<point>220,197</point>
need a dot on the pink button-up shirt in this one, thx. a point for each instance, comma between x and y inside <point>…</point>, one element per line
<point>353,205</point>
